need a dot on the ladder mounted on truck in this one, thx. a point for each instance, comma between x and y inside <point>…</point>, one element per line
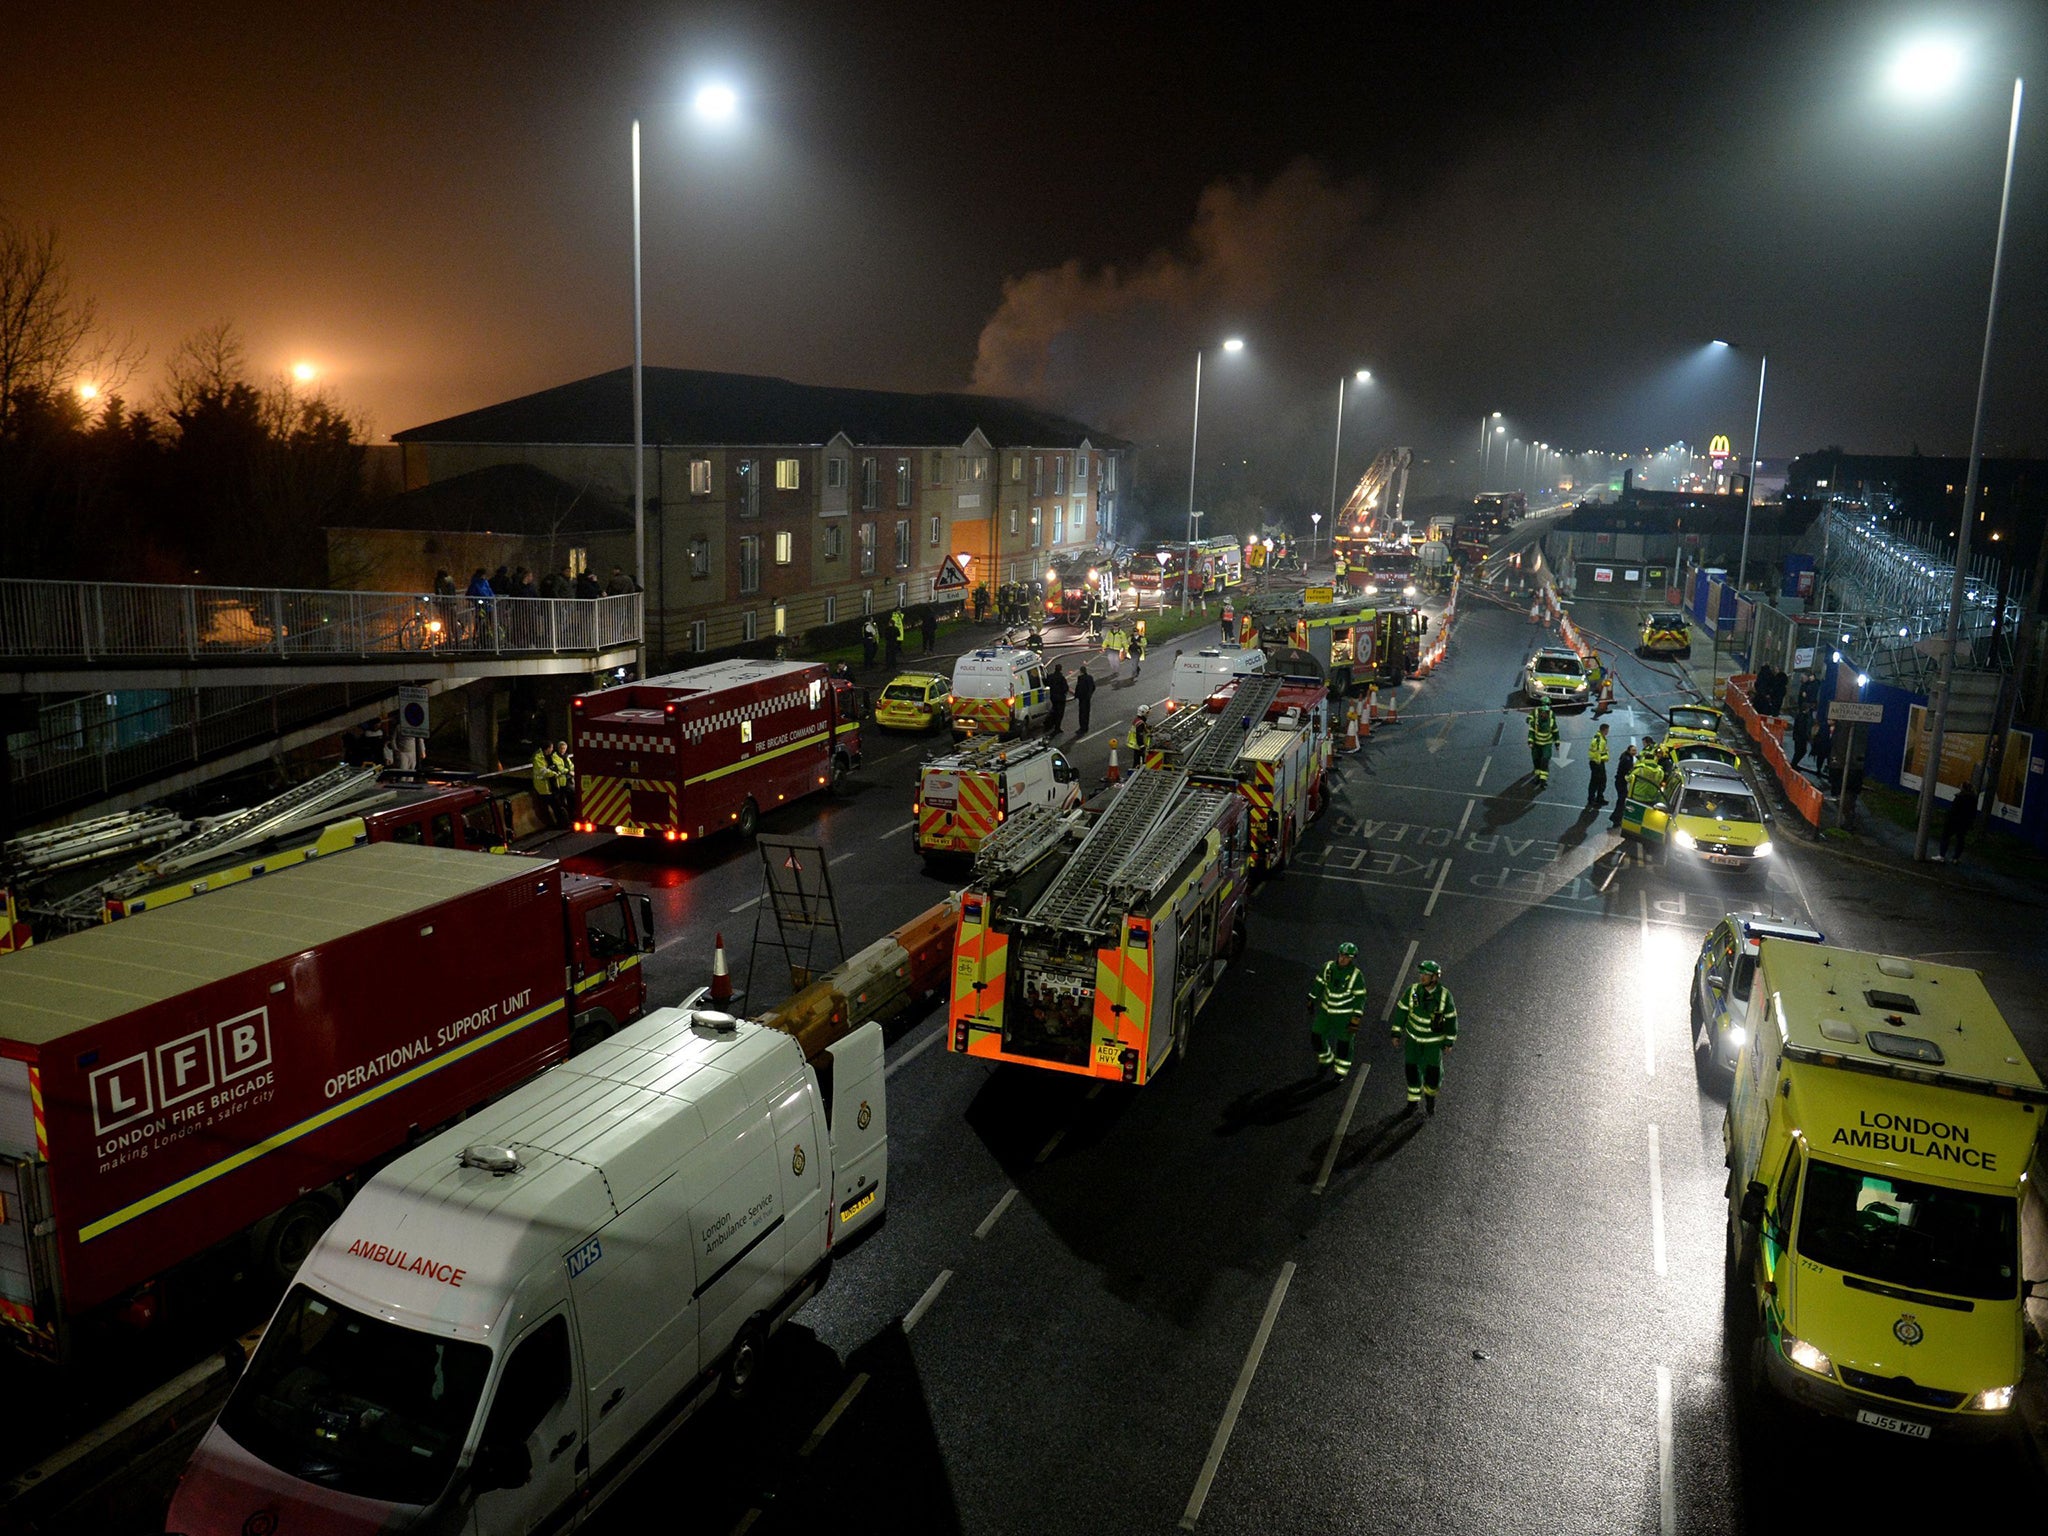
<point>1081,892</point>
<point>1383,489</point>
<point>1216,753</point>
<point>45,853</point>
<point>1138,877</point>
<point>1028,836</point>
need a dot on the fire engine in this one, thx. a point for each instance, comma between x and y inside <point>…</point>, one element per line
<point>1270,737</point>
<point>688,754</point>
<point>1379,499</point>
<point>1088,947</point>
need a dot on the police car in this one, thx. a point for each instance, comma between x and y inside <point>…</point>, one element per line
<point>1721,978</point>
<point>1554,677</point>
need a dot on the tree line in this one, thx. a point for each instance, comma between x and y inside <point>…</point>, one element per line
<point>221,477</point>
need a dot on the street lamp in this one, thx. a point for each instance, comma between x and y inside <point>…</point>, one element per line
<point>1364,376</point>
<point>1755,441</point>
<point>1485,445</point>
<point>1923,70</point>
<point>714,103</point>
<point>1234,344</point>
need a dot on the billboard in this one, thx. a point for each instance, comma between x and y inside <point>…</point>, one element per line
<point>1963,754</point>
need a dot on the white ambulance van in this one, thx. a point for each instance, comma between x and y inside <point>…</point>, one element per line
<point>512,1317</point>
<point>1197,674</point>
<point>998,691</point>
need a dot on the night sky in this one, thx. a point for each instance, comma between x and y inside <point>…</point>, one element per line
<point>1539,209</point>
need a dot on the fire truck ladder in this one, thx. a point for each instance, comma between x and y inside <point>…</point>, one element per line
<point>1080,891</point>
<point>44,853</point>
<point>1216,753</point>
<point>1028,836</point>
<point>310,800</point>
<point>1181,730</point>
<point>1167,845</point>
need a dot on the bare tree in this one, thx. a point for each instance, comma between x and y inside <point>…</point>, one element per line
<point>207,365</point>
<point>50,334</point>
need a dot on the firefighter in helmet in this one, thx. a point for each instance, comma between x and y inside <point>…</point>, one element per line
<point>1336,998</point>
<point>1425,1026</point>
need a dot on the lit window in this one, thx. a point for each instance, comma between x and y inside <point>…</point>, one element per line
<point>934,532</point>
<point>788,474</point>
<point>784,548</point>
<point>1037,529</point>
<point>700,481</point>
<point>1058,523</point>
<point>781,620</point>
<point>935,467</point>
<point>1016,467</point>
<point>1013,522</point>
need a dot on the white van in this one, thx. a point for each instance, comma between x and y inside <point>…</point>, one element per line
<point>1197,674</point>
<point>998,691</point>
<point>512,1317</point>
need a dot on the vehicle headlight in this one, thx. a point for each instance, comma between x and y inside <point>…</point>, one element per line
<point>1736,1036</point>
<point>1370,589</point>
<point>1408,591</point>
<point>1763,849</point>
<point>1993,1399</point>
<point>1684,839</point>
<point>1807,1357</point>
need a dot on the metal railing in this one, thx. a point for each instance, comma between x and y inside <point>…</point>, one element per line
<point>119,621</point>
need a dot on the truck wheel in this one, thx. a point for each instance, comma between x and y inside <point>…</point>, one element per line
<point>743,1365</point>
<point>292,1236</point>
<point>750,819</point>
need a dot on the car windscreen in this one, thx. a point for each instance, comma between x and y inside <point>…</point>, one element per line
<point>347,1401</point>
<point>1667,621</point>
<point>1694,719</point>
<point>910,692</point>
<point>1927,1236</point>
<point>1559,666</point>
<point>1721,804</point>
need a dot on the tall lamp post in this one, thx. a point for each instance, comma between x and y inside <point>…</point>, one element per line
<point>1234,344</point>
<point>715,104</point>
<point>1756,432</point>
<point>1923,70</point>
<point>1485,452</point>
<point>1364,376</point>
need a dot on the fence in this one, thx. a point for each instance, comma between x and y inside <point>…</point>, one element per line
<point>109,621</point>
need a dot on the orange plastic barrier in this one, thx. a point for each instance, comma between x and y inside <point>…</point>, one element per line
<point>1799,789</point>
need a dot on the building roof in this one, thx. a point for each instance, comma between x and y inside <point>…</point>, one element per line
<point>500,498</point>
<point>693,406</point>
<point>1665,512</point>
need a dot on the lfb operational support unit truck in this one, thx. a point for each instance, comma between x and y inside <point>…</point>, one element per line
<point>224,1071</point>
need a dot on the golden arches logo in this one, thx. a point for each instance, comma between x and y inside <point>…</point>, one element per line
<point>1718,448</point>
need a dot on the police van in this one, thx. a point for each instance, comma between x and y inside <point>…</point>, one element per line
<point>1197,674</point>
<point>512,1317</point>
<point>998,691</point>
<point>965,794</point>
<point>1878,1139</point>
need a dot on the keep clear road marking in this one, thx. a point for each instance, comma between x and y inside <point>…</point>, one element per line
<point>1480,782</point>
<point>914,1052</point>
<point>1656,1205</point>
<point>905,827</point>
<point>924,1302</point>
<point>1359,1075</point>
<point>1667,1474</point>
<point>989,1221</point>
<point>1237,1396</point>
<point>1464,821</point>
<point>1443,873</point>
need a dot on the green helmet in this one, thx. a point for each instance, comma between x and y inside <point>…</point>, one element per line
<point>1430,968</point>
<point>1347,948</point>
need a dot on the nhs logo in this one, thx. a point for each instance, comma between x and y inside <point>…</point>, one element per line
<point>179,1071</point>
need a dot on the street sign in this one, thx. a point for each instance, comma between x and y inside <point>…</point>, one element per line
<point>412,713</point>
<point>1802,658</point>
<point>1851,712</point>
<point>1319,595</point>
<point>952,576</point>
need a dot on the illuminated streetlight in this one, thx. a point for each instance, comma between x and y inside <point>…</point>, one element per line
<point>716,102</point>
<point>1925,68</point>
<point>88,393</point>
<point>305,373</point>
<point>1364,376</point>
<point>1233,344</point>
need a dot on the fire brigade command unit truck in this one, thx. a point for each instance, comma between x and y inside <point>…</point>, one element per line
<point>1088,947</point>
<point>682,756</point>
<point>1879,1136</point>
<point>223,1070</point>
<point>965,794</point>
<point>511,1318</point>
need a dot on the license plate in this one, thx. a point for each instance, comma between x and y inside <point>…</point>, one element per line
<point>1896,1426</point>
<point>1729,859</point>
<point>1108,1052</point>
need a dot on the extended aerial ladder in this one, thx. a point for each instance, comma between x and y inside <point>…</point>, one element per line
<point>1380,497</point>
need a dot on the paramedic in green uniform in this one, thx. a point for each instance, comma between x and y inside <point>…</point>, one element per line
<point>1338,998</point>
<point>1542,740</point>
<point>1425,1026</point>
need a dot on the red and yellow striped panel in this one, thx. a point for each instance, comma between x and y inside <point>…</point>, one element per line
<point>976,813</point>
<point>980,955</point>
<point>1123,977</point>
<point>607,802</point>
<point>991,716</point>
<point>35,1102</point>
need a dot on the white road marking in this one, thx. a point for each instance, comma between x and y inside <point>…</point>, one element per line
<point>1649,1023</point>
<point>746,1522</point>
<point>1643,905</point>
<point>743,906</point>
<point>905,827</point>
<point>1463,821</point>
<point>914,1052</point>
<point>1667,1472</point>
<point>1481,780</point>
<point>989,1221</point>
<point>1394,992</point>
<point>832,1414</point>
<point>1359,1073</point>
<point>1429,907</point>
<point>1052,1145</point>
<point>841,858</point>
<point>1656,1205</point>
<point>924,1302</point>
<point>1237,1396</point>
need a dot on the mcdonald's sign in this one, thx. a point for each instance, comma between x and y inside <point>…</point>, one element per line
<point>1718,449</point>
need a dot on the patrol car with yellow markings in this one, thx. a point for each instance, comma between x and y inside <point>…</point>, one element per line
<point>965,794</point>
<point>1716,821</point>
<point>1693,722</point>
<point>914,701</point>
<point>1666,632</point>
<point>998,691</point>
<point>1723,975</point>
<point>1878,1140</point>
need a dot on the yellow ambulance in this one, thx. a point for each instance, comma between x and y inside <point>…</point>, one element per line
<point>1879,1134</point>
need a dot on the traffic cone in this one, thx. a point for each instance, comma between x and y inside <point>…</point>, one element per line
<point>721,978</point>
<point>1535,606</point>
<point>1116,772</point>
<point>1351,725</point>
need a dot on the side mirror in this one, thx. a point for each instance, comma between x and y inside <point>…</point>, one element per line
<point>1752,1211</point>
<point>645,906</point>
<point>499,1465</point>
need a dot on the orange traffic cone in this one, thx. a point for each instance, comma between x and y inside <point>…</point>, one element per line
<point>721,978</point>
<point>1116,773</point>
<point>1351,725</point>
